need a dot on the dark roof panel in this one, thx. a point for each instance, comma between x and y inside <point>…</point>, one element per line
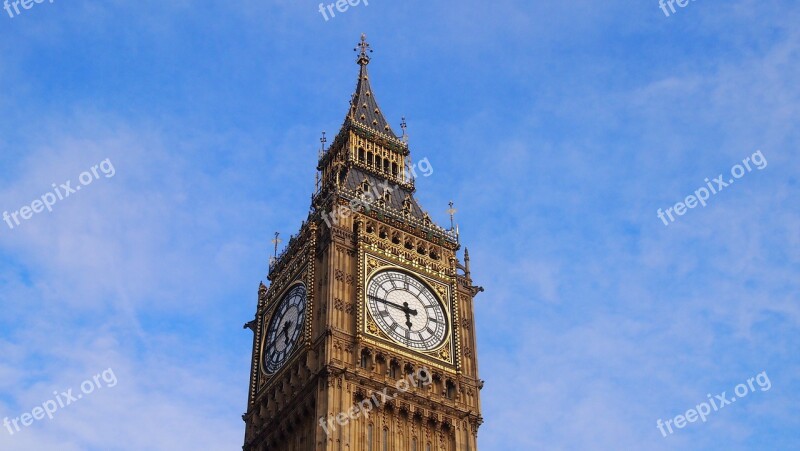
<point>356,176</point>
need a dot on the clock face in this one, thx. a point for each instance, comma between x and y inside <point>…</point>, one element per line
<point>284,329</point>
<point>406,310</point>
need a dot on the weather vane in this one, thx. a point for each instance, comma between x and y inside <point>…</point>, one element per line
<point>275,241</point>
<point>452,211</point>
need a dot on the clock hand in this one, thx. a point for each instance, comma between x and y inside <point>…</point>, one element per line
<point>407,312</point>
<point>284,330</point>
<point>404,308</point>
<point>286,327</point>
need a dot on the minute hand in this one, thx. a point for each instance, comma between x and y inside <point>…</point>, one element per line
<point>404,308</point>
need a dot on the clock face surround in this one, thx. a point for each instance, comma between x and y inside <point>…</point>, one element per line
<point>285,328</point>
<point>406,310</point>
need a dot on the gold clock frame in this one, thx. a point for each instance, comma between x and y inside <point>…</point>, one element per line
<point>447,313</point>
<point>443,357</point>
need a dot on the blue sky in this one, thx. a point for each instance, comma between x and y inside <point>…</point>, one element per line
<point>558,129</point>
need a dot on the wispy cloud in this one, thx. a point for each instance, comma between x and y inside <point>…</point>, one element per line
<point>558,129</point>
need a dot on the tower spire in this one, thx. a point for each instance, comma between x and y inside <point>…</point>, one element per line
<point>364,108</point>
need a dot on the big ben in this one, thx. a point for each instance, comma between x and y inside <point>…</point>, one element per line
<point>365,338</point>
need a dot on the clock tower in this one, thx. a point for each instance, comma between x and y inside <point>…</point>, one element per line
<point>365,338</point>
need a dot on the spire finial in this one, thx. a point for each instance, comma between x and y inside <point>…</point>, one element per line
<point>363,58</point>
<point>322,140</point>
<point>276,240</point>
<point>452,212</point>
<point>403,126</point>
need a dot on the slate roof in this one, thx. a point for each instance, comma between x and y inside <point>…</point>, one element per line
<point>355,177</point>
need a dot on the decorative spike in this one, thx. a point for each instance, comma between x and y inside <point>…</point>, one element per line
<point>275,241</point>
<point>363,57</point>
<point>452,211</point>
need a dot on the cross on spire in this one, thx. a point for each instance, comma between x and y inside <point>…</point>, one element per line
<point>363,58</point>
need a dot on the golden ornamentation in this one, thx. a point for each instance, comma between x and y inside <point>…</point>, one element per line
<point>372,263</point>
<point>372,327</point>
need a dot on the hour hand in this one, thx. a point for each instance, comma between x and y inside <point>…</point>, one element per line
<point>285,331</point>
